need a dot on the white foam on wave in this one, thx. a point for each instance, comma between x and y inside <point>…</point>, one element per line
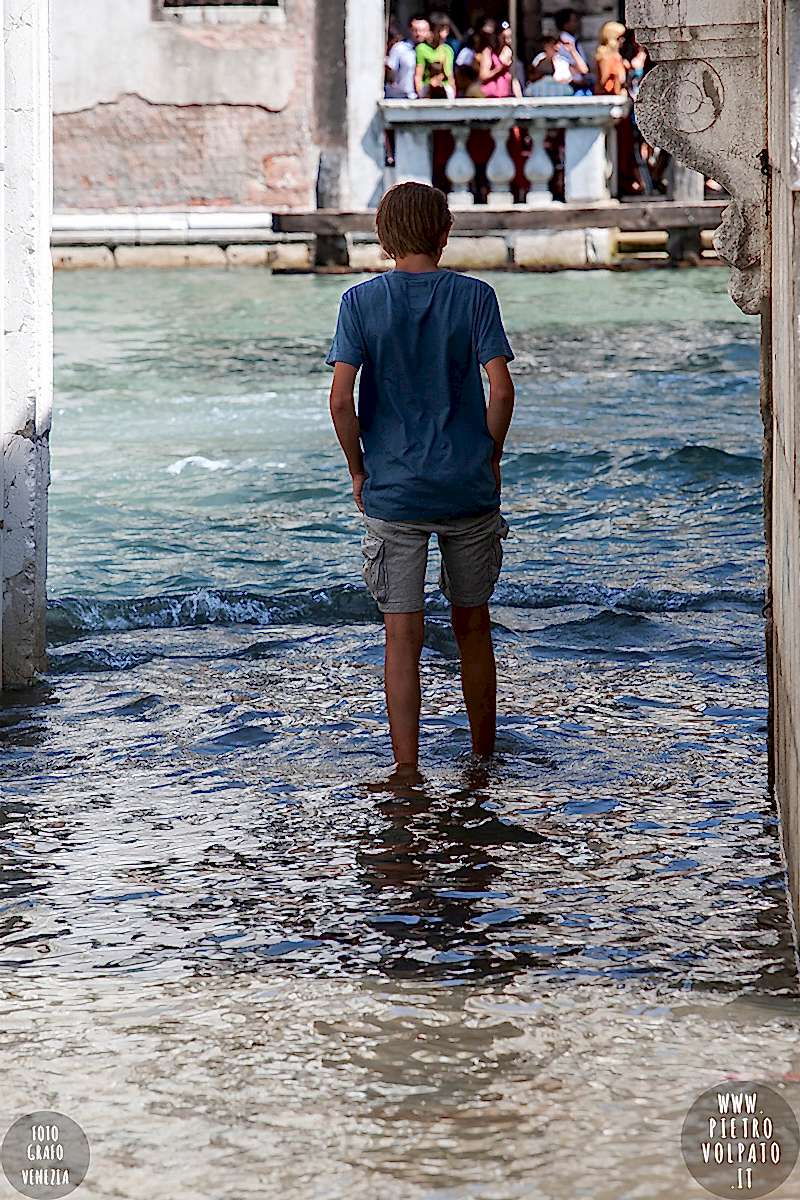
<point>197,460</point>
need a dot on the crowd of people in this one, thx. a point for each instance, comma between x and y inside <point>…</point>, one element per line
<point>433,60</point>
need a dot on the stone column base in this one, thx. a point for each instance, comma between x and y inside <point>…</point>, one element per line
<point>26,473</point>
<point>565,248</point>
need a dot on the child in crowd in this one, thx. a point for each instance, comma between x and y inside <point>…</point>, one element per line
<point>437,83</point>
<point>469,82</point>
<point>424,452</point>
<point>435,52</point>
<point>549,64</point>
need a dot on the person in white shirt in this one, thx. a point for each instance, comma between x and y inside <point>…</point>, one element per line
<point>466,55</point>
<point>401,60</point>
<point>550,64</point>
<point>568,24</point>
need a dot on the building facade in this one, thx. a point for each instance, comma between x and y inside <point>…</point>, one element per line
<point>161,104</point>
<point>267,104</point>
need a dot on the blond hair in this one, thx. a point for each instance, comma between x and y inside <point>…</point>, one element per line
<point>412,218</point>
<point>610,36</point>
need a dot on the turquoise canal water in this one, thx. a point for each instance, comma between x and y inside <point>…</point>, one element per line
<point>247,974</point>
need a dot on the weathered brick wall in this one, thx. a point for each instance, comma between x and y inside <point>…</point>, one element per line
<point>182,115</point>
<point>131,153</point>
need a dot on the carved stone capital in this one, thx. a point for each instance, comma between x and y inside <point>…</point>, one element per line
<point>703,101</point>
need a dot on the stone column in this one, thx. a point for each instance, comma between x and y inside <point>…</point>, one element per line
<point>704,102</point>
<point>365,50</point>
<point>585,164</point>
<point>27,312</point>
<point>686,187</point>
<point>725,99</point>
<point>781,408</point>
<point>330,121</point>
<point>413,162</point>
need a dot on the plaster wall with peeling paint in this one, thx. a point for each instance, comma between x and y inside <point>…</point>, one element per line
<point>154,111</point>
<point>25,405</point>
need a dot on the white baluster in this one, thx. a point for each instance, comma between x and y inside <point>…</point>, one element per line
<point>460,170</point>
<point>500,169</point>
<point>538,169</point>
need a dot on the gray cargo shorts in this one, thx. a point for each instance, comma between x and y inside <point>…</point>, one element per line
<point>396,558</point>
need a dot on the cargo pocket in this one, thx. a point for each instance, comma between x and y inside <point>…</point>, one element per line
<point>496,553</point>
<point>374,569</point>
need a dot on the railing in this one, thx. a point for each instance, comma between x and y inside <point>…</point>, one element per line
<point>589,124</point>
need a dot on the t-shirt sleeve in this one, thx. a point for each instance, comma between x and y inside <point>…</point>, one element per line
<point>347,345</point>
<point>490,336</point>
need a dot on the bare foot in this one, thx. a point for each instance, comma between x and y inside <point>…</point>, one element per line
<point>478,770</point>
<point>402,775</point>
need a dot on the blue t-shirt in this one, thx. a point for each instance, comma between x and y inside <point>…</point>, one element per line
<point>420,339</point>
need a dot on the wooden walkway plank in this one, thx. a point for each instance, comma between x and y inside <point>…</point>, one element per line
<point>636,216</point>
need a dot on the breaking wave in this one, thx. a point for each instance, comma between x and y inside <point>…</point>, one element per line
<point>71,617</point>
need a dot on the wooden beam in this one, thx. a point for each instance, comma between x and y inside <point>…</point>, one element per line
<point>658,215</point>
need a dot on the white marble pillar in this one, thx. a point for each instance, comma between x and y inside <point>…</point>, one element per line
<point>413,158</point>
<point>724,98</point>
<point>781,409</point>
<point>26,400</point>
<point>585,164</point>
<point>365,49</point>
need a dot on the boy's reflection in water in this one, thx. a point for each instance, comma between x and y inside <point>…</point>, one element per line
<point>433,867</point>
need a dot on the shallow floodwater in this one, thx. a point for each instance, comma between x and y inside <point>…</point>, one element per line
<point>249,973</point>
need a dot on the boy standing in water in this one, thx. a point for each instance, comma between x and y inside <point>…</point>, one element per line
<point>424,452</point>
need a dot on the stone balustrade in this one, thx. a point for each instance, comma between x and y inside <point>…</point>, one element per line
<point>588,122</point>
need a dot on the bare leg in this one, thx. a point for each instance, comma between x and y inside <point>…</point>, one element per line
<point>404,633</point>
<point>478,676</point>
